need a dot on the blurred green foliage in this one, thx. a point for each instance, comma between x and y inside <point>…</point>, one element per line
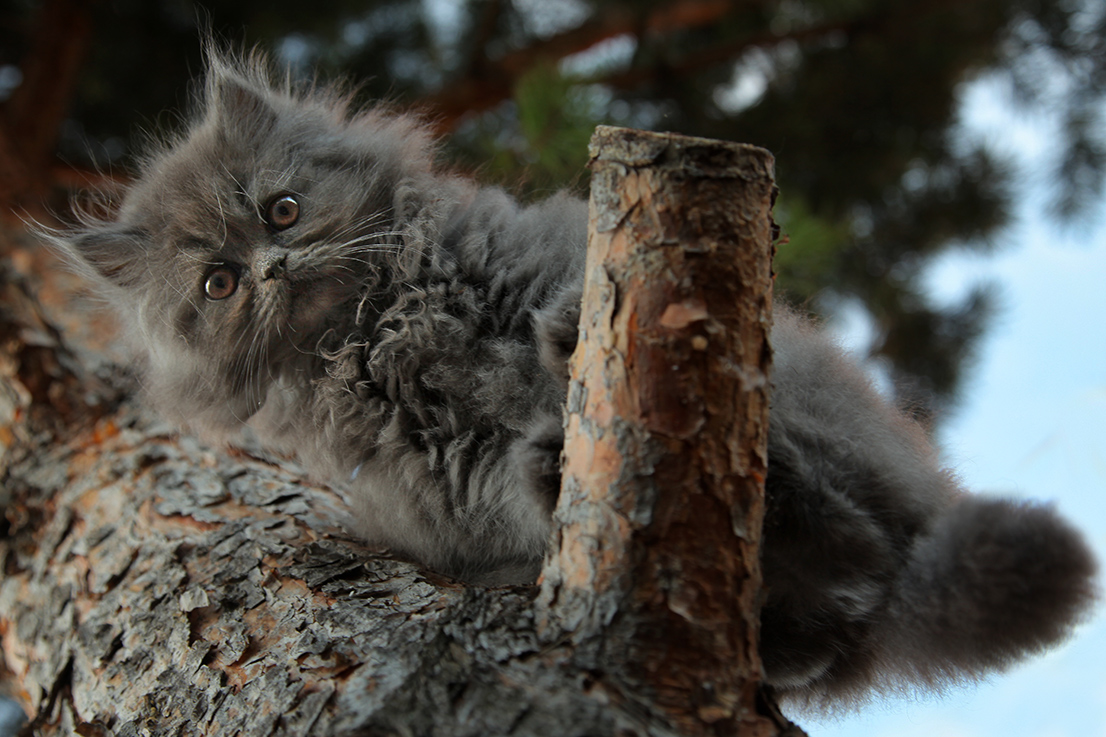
<point>538,142</point>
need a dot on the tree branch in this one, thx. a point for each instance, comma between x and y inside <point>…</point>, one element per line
<point>493,81</point>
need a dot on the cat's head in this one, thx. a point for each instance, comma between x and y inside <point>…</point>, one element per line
<point>248,237</point>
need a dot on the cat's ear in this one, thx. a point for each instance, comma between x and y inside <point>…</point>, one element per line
<point>238,105</point>
<point>112,254</point>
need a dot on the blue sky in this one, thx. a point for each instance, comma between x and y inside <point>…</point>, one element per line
<point>1033,425</point>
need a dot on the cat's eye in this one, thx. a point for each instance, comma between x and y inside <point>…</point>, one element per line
<point>220,283</point>
<point>283,212</point>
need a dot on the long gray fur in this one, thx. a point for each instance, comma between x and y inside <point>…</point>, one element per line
<point>406,338</point>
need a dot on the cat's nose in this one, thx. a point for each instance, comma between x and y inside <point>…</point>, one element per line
<point>273,264</point>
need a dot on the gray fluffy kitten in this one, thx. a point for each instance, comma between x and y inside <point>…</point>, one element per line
<point>296,267</point>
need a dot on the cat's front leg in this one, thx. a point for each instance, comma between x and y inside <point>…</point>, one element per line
<point>537,460</point>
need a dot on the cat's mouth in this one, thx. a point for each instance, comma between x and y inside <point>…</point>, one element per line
<point>314,303</point>
<point>302,303</point>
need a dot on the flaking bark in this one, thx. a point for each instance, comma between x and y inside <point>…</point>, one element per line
<point>666,434</point>
<point>152,585</point>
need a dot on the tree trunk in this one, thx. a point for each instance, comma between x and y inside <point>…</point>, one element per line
<point>152,585</point>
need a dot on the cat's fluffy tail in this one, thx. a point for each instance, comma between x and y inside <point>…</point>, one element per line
<point>992,581</point>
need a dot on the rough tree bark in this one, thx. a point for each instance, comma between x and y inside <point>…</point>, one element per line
<point>155,586</point>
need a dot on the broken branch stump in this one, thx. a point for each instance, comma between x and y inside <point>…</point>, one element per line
<point>660,511</point>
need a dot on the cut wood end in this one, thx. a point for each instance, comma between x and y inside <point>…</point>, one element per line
<point>705,157</point>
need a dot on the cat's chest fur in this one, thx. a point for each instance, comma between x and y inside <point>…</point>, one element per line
<point>442,369</point>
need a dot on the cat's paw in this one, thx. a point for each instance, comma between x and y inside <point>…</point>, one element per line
<point>537,459</point>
